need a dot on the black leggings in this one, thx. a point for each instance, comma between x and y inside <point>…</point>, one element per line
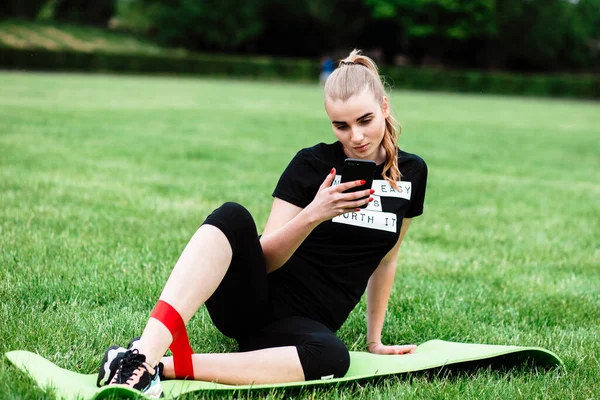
<point>240,306</point>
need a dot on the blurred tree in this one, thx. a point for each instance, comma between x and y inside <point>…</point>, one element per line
<point>432,28</point>
<point>515,34</point>
<point>527,35</point>
<point>589,13</point>
<point>311,27</point>
<point>24,9</point>
<point>531,33</point>
<point>97,12</point>
<point>207,24</point>
<point>133,15</point>
<point>587,31</point>
<point>453,19</point>
<point>545,34</point>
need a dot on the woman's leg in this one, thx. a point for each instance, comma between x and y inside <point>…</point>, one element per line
<point>223,267</point>
<point>272,365</point>
<point>197,274</point>
<point>288,350</point>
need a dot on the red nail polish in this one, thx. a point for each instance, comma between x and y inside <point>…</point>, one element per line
<point>358,210</point>
<point>372,191</point>
<point>363,182</point>
<point>371,199</point>
<point>332,170</point>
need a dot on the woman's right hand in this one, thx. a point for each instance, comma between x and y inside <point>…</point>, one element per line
<point>330,201</point>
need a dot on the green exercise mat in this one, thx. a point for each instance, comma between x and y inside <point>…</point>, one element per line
<point>432,354</point>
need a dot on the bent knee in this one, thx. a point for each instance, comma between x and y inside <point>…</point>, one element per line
<point>235,221</point>
<point>324,357</point>
<point>231,211</point>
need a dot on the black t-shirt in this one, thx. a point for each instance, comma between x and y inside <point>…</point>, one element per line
<point>327,275</point>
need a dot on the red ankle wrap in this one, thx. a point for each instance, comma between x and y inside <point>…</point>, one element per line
<point>180,347</point>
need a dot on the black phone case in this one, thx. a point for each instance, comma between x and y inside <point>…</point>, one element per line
<point>356,169</point>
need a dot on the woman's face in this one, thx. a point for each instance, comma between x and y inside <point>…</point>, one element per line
<point>359,124</point>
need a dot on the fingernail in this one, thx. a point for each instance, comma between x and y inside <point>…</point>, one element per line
<point>358,209</point>
<point>371,199</point>
<point>372,191</point>
<point>363,182</point>
<point>332,170</point>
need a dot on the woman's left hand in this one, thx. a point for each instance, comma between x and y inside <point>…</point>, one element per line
<point>379,348</point>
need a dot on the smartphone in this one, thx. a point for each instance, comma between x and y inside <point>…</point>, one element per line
<point>356,169</point>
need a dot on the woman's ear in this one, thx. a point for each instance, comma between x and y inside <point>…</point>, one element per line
<point>385,107</point>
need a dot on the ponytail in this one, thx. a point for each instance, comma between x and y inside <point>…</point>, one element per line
<point>355,73</point>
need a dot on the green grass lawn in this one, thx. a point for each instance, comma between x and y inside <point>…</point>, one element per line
<point>103,179</point>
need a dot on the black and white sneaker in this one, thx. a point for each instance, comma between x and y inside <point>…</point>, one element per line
<point>110,362</point>
<point>135,373</point>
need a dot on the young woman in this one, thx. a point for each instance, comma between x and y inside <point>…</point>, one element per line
<point>283,295</point>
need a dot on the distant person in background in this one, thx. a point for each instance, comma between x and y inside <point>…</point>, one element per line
<point>327,67</point>
<point>283,295</point>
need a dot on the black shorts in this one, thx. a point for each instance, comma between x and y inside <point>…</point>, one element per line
<point>240,306</point>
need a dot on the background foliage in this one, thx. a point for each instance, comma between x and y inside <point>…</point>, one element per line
<point>520,35</point>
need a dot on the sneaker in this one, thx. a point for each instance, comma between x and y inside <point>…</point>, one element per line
<point>111,361</point>
<point>135,373</point>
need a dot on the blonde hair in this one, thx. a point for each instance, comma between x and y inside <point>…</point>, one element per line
<point>353,75</point>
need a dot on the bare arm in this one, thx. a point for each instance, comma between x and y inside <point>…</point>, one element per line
<point>378,294</point>
<point>288,225</point>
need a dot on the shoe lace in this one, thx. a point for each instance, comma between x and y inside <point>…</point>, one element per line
<point>130,362</point>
